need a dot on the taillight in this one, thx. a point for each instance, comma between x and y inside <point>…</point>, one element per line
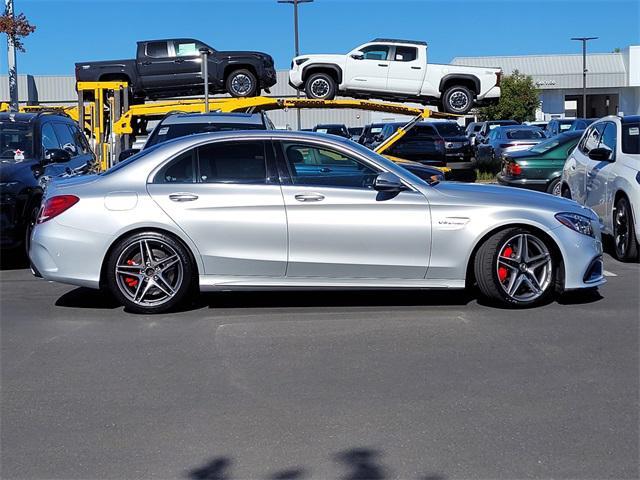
<point>514,169</point>
<point>54,206</point>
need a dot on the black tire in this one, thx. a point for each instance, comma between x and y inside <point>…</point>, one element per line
<point>32,219</point>
<point>487,274</point>
<point>158,244</point>
<point>457,99</point>
<point>242,83</point>
<point>625,243</point>
<point>555,188</point>
<point>320,86</point>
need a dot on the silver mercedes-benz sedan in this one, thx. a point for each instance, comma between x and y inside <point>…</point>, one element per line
<point>278,210</point>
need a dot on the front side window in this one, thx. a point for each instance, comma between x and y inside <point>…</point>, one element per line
<point>406,54</point>
<point>79,140</point>
<point>49,138</point>
<point>157,50</point>
<point>187,48</point>
<point>232,162</point>
<point>317,166</point>
<point>65,138</point>
<point>609,140</point>
<point>376,52</point>
<point>591,138</point>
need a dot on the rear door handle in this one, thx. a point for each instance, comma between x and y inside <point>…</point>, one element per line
<point>383,65</point>
<point>183,197</point>
<point>416,68</point>
<point>309,197</point>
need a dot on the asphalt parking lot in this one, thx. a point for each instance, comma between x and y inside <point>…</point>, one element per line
<point>363,385</point>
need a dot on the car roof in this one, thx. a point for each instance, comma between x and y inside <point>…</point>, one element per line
<point>518,127</point>
<point>191,118</point>
<point>630,119</point>
<point>330,125</point>
<point>26,117</point>
<point>395,40</point>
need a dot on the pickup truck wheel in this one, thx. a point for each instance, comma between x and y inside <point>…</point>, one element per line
<point>320,86</point>
<point>458,100</point>
<point>242,83</point>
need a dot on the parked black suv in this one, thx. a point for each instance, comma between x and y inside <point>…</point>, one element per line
<point>338,129</point>
<point>34,147</point>
<point>172,67</point>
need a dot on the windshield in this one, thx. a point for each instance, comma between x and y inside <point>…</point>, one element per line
<point>631,138</point>
<point>16,141</point>
<point>449,129</point>
<point>169,132</point>
<point>524,134</point>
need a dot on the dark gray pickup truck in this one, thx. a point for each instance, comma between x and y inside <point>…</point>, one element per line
<point>172,67</point>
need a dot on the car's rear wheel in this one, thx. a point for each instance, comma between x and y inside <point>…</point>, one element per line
<point>624,236</point>
<point>320,86</point>
<point>515,267</point>
<point>457,99</point>
<point>149,272</point>
<point>242,83</point>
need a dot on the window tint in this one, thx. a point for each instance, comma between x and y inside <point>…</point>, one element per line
<point>376,52</point>
<point>631,138</point>
<point>80,141</point>
<point>157,49</point>
<point>49,138</point>
<point>232,162</point>
<point>406,54</point>
<point>65,138</point>
<point>311,165</point>
<point>608,140</point>
<point>181,170</point>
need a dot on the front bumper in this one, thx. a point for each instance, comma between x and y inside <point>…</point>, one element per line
<point>268,78</point>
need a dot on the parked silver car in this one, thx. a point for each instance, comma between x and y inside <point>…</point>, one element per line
<point>266,210</point>
<point>603,172</point>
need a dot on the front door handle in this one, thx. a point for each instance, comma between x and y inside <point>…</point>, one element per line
<point>416,68</point>
<point>179,60</point>
<point>309,197</point>
<point>383,64</point>
<point>147,62</point>
<point>183,197</point>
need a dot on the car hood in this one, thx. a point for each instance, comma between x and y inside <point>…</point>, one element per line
<point>496,195</point>
<point>17,171</point>
<point>242,53</point>
<point>324,58</point>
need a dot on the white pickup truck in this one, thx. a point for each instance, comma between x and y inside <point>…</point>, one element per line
<point>395,70</point>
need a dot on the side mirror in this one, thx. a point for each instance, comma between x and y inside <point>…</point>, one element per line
<point>127,153</point>
<point>56,155</point>
<point>357,55</point>
<point>600,154</point>
<point>388,182</point>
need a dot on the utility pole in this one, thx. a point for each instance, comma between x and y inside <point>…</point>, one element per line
<point>295,33</point>
<point>204,56</point>
<point>584,41</point>
<point>11,62</point>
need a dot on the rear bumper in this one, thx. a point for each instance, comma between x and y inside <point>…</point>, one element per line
<point>490,97</point>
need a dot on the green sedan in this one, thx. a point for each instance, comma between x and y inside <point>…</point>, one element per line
<point>540,167</point>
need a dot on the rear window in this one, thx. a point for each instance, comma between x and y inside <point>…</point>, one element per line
<point>523,134</point>
<point>169,132</point>
<point>449,129</point>
<point>420,132</point>
<point>16,141</point>
<point>631,138</point>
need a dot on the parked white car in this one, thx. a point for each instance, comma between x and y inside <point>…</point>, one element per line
<point>395,70</point>
<point>603,172</point>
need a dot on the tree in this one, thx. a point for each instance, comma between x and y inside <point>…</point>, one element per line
<point>518,100</point>
<point>616,50</point>
<point>16,28</point>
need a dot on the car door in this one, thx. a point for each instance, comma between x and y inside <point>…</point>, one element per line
<point>577,164</point>
<point>485,149</point>
<point>340,227</point>
<point>227,199</point>
<point>187,62</point>
<point>406,71</point>
<point>156,65</point>
<point>370,70</point>
<point>599,174</point>
<point>79,159</point>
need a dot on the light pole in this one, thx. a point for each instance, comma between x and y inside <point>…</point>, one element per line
<point>584,41</point>
<point>204,71</point>
<point>295,33</point>
<point>11,62</point>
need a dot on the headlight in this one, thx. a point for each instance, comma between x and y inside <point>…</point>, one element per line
<point>576,222</point>
<point>300,61</point>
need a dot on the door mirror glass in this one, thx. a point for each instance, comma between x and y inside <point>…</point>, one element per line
<point>357,55</point>
<point>600,154</point>
<point>56,155</point>
<point>388,182</point>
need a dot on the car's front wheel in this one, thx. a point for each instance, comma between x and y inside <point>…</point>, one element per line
<point>320,86</point>
<point>149,272</point>
<point>515,267</point>
<point>242,83</point>
<point>624,236</point>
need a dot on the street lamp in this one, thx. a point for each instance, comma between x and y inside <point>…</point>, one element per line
<point>584,41</point>
<point>295,30</point>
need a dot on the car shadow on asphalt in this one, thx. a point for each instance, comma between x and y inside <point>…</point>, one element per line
<point>358,464</point>
<point>87,298</point>
<point>13,260</point>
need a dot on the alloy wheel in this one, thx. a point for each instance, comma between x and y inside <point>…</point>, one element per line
<point>458,100</point>
<point>524,267</point>
<point>241,84</point>
<point>621,229</point>
<point>149,272</point>
<point>320,87</point>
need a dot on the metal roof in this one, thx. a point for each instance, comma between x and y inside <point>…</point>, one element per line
<point>560,71</point>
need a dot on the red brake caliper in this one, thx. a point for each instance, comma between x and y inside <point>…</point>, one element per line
<point>131,281</point>
<point>502,271</point>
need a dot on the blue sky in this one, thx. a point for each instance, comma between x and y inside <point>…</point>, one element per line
<point>69,31</point>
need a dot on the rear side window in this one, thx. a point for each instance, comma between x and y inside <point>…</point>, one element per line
<point>157,50</point>
<point>181,170</point>
<point>406,54</point>
<point>232,162</point>
<point>631,138</point>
